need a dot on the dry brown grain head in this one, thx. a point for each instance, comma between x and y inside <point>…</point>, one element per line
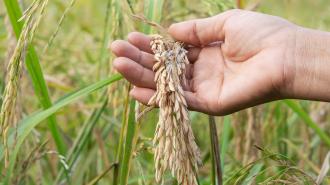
<point>175,147</point>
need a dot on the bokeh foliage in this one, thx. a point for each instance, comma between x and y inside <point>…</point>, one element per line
<point>266,144</point>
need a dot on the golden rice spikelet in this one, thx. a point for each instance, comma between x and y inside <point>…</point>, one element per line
<point>175,146</point>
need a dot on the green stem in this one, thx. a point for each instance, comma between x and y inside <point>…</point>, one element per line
<point>215,152</point>
<point>119,154</point>
<point>130,139</point>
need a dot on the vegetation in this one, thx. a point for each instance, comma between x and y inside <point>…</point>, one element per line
<point>66,116</point>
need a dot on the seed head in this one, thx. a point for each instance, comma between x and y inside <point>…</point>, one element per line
<point>175,147</point>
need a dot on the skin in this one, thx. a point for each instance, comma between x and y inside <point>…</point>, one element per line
<point>260,58</point>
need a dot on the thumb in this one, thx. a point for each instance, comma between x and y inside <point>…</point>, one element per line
<point>201,32</point>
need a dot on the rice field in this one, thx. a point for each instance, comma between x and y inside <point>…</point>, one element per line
<point>67,118</point>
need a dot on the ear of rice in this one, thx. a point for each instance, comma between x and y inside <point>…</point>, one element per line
<point>175,149</point>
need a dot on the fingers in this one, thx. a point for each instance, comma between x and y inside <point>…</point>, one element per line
<point>193,53</point>
<point>192,101</point>
<point>140,41</point>
<point>143,95</point>
<point>124,49</point>
<point>134,72</point>
<point>131,60</point>
<point>135,62</point>
<point>201,32</point>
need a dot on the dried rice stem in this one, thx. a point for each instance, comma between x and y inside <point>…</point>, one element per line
<point>143,19</point>
<point>175,149</point>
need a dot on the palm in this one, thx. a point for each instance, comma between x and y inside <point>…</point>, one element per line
<point>207,77</point>
<point>247,69</point>
<point>218,83</point>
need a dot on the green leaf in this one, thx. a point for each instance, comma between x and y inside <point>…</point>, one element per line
<point>119,152</point>
<point>131,133</point>
<point>252,174</point>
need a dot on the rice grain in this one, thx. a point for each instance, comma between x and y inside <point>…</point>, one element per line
<point>175,147</point>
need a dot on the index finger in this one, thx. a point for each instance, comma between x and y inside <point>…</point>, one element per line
<point>140,41</point>
<point>201,32</point>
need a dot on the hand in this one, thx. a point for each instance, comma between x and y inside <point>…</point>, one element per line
<point>252,65</point>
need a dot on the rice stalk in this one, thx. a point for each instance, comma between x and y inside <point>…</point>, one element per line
<point>132,128</point>
<point>104,56</point>
<point>215,152</point>
<point>33,17</point>
<point>120,147</point>
<point>11,44</point>
<point>118,30</point>
<point>66,11</point>
<point>287,171</point>
<point>175,147</point>
<point>115,93</point>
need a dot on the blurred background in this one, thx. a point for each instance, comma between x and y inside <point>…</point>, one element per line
<point>275,143</point>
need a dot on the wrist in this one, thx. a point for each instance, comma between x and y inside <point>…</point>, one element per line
<point>310,68</point>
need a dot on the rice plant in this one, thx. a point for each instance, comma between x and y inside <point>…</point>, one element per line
<point>67,117</point>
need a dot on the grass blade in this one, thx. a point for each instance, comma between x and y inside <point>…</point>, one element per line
<point>29,123</point>
<point>308,121</point>
<point>84,135</point>
<point>252,174</point>
<point>35,72</point>
<point>119,154</point>
<point>131,133</point>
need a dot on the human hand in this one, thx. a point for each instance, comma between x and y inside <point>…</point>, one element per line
<point>252,65</point>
